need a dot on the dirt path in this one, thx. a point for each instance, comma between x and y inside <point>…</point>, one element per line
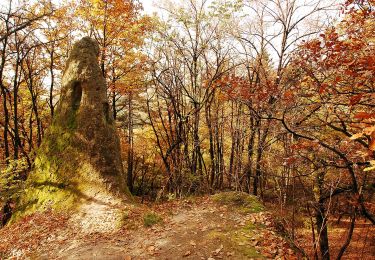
<point>205,228</point>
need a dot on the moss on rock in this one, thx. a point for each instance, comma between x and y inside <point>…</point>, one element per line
<point>239,240</point>
<point>80,154</point>
<point>245,202</point>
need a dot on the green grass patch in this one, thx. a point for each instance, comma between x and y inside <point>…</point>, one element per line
<point>151,219</point>
<point>246,203</point>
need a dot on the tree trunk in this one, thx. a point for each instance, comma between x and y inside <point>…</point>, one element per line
<point>321,224</point>
<point>321,218</point>
<point>17,141</point>
<point>130,180</point>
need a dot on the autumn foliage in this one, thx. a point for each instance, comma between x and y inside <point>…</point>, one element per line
<point>280,105</point>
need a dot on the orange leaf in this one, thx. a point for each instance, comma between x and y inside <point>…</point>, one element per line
<point>322,88</point>
<point>364,115</point>
<point>372,142</point>
<point>355,99</point>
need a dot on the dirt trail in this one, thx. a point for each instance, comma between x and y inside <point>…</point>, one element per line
<point>198,229</point>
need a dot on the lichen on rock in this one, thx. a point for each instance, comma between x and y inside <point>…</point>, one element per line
<point>79,157</point>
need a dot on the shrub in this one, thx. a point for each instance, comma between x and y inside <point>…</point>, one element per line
<point>151,219</point>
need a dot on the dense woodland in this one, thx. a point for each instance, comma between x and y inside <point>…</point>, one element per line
<point>274,98</point>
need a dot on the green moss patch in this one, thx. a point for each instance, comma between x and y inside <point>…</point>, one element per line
<point>239,240</point>
<point>246,203</point>
<point>151,219</point>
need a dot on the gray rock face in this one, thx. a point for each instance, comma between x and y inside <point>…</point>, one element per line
<point>80,157</point>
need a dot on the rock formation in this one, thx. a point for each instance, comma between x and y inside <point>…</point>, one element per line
<point>79,159</point>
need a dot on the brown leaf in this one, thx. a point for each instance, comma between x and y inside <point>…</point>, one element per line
<point>151,248</point>
<point>217,251</point>
<point>372,142</point>
<point>355,99</point>
<point>193,243</point>
<point>255,243</point>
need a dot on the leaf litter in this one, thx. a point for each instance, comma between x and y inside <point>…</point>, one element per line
<point>198,228</point>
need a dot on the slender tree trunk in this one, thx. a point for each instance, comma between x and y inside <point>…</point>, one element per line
<point>250,154</point>
<point>321,218</point>
<point>212,145</point>
<point>130,142</point>
<point>6,123</point>
<point>258,159</point>
<point>17,141</point>
<point>52,85</point>
<point>349,237</point>
<point>322,230</point>
<point>4,96</point>
<point>313,233</point>
<point>34,100</point>
<point>113,97</point>
<point>197,156</point>
<point>231,157</point>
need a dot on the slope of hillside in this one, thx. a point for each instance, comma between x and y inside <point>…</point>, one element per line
<point>224,226</point>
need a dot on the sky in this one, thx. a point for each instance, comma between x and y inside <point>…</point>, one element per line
<point>148,6</point>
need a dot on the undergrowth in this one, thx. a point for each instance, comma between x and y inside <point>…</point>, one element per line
<point>151,219</point>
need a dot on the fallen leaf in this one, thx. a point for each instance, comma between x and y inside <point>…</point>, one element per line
<point>356,136</point>
<point>187,253</point>
<point>219,249</point>
<point>273,245</point>
<point>151,248</point>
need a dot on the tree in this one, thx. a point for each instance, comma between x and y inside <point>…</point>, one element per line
<point>335,85</point>
<point>189,59</point>
<point>274,31</point>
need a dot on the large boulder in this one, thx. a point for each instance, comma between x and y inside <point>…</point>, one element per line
<point>79,158</point>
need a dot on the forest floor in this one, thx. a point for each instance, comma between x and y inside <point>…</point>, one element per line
<point>223,226</point>
<point>362,244</point>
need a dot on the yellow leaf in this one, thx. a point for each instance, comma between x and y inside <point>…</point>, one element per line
<point>356,136</point>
